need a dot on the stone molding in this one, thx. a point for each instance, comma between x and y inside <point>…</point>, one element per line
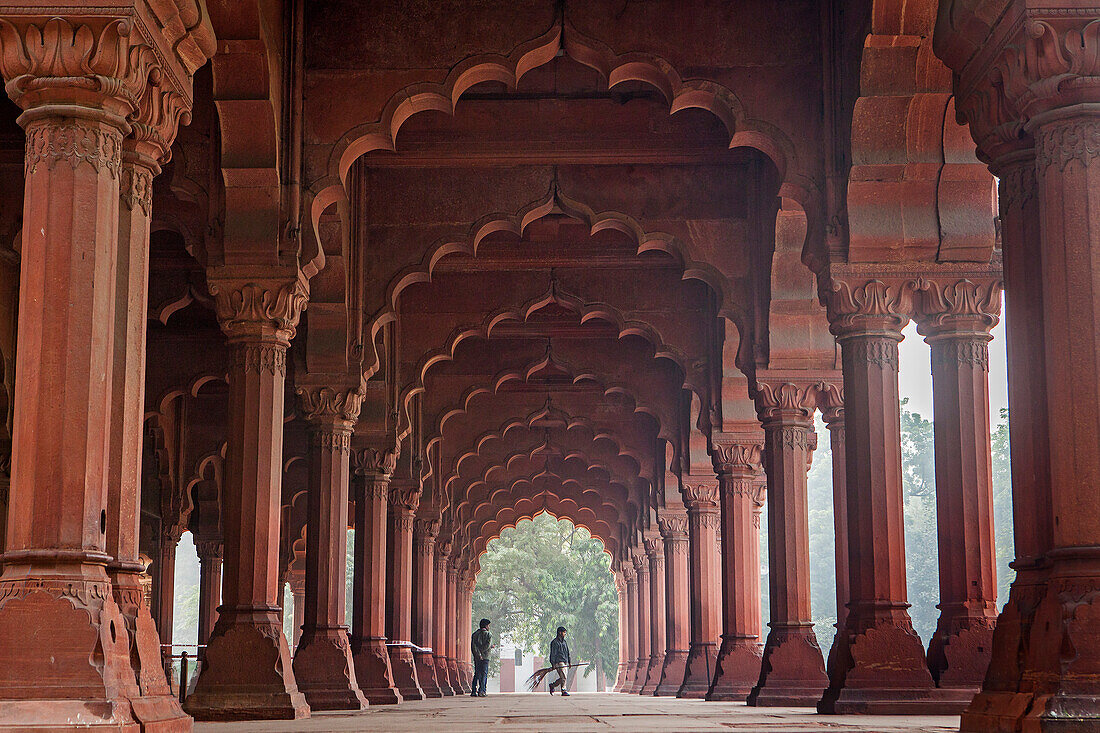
<point>257,309</point>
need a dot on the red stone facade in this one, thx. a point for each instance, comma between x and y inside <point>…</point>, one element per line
<point>271,270</point>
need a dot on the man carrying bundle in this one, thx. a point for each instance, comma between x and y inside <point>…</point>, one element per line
<point>559,660</point>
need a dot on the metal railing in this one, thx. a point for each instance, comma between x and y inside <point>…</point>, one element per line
<point>182,668</point>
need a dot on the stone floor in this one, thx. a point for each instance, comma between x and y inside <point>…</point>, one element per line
<point>521,713</point>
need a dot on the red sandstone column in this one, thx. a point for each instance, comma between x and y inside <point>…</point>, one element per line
<point>792,671</point>
<point>834,420</point>
<point>737,463</point>
<point>631,638</point>
<point>164,586</point>
<point>466,625</point>
<point>439,617</point>
<point>655,554</point>
<point>621,675</point>
<point>641,572</point>
<point>404,500</point>
<point>955,318</point>
<point>64,640</point>
<point>1014,673</point>
<point>674,531</point>
<point>423,579</point>
<point>248,671</point>
<point>210,585</point>
<point>322,659</point>
<point>459,684</point>
<point>701,498</point>
<point>142,152</point>
<point>296,579</point>
<point>368,641</point>
<point>880,665</point>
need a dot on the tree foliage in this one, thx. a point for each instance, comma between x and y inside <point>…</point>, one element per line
<point>546,573</point>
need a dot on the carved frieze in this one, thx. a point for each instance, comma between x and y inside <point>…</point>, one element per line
<point>1062,141</point>
<point>258,358</point>
<point>333,439</point>
<point>136,187</point>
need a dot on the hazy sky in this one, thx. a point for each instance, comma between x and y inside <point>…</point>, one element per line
<point>915,380</point>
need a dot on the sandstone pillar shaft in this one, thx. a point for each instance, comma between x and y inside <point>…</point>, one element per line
<point>248,672</point>
<point>955,319</point>
<point>404,499</point>
<point>792,669</point>
<point>1012,675</point>
<point>674,531</point>
<point>368,641</point>
<point>423,580</point>
<point>655,555</point>
<point>701,498</point>
<point>630,639</point>
<point>439,617</point>
<point>164,585</point>
<point>210,585</point>
<point>737,668</point>
<point>296,580</point>
<point>641,572</point>
<point>322,660</point>
<point>457,683</point>
<point>834,420</point>
<point>621,675</point>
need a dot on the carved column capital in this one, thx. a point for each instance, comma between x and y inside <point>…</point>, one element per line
<point>424,533</point>
<point>790,397</point>
<point>335,408</point>
<point>641,564</point>
<point>673,526</point>
<point>945,305</point>
<point>737,453</point>
<point>259,310</point>
<point>374,462</point>
<point>629,576</point>
<point>209,549</point>
<point>700,495</point>
<point>858,303</point>
<point>655,549</point>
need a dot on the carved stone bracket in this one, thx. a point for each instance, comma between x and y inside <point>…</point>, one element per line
<point>264,309</point>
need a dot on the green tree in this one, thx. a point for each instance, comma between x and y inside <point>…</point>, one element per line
<point>546,573</point>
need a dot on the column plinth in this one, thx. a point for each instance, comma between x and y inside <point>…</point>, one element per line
<point>404,499</point>
<point>737,668</point>
<point>792,670</point>
<point>879,662</point>
<point>674,532</point>
<point>368,639</point>
<point>322,660</point>
<point>701,499</point>
<point>655,555</point>
<point>248,672</point>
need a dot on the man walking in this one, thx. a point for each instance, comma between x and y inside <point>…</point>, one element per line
<point>480,644</point>
<point>559,660</point>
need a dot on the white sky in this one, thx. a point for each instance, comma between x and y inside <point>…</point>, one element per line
<point>915,378</point>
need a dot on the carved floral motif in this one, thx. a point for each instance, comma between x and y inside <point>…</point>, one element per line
<point>258,358</point>
<point>371,461</point>
<point>244,307</point>
<point>853,307</point>
<point>701,495</point>
<point>740,456</point>
<point>327,403</point>
<point>74,142</point>
<point>673,527</point>
<point>136,187</point>
<point>943,303</point>
<point>1067,140</point>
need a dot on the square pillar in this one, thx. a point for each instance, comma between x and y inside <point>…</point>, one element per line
<point>674,531</point>
<point>439,616</point>
<point>404,498</point>
<point>425,530</point>
<point>655,555</point>
<point>701,499</point>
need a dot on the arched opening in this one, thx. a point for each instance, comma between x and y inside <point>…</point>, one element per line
<point>540,574</point>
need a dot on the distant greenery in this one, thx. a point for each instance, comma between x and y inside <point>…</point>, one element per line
<point>546,573</point>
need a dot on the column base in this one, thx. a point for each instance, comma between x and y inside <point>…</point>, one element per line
<point>620,677</point>
<point>652,675</point>
<point>403,667</point>
<point>372,672</point>
<point>64,642</point>
<point>1002,703</point>
<point>958,656</point>
<point>633,684</point>
<point>672,673</point>
<point>737,670</point>
<point>441,680</point>
<point>698,671</point>
<point>882,671</point>
<point>425,673</point>
<point>458,684</point>
<point>324,671</point>
<point>156,708</point>
<point>792,670</point>
<point>247,672</point>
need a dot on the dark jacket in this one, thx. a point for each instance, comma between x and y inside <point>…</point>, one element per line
<point>479,645</point>
<point>559,651</point>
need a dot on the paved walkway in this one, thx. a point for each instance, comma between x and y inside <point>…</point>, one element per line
<point>520,713</point>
